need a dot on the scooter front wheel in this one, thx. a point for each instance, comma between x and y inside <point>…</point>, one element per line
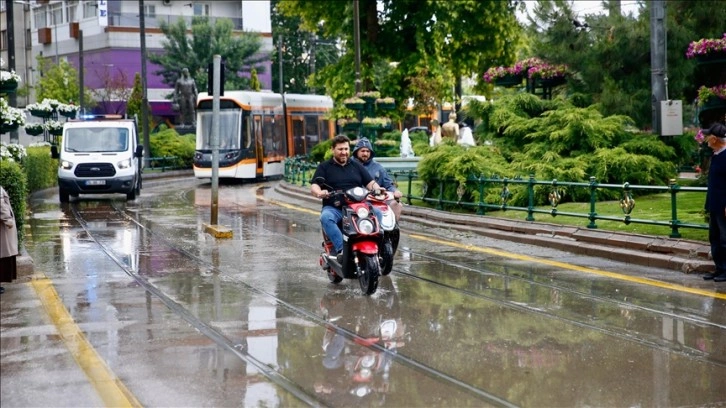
<point>370,270</point>
<point>386,252</point>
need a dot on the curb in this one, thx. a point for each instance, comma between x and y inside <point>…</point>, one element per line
<point>682,255</point>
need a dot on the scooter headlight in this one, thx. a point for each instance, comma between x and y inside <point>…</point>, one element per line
<point>366,226</point>
<point>362,212</point>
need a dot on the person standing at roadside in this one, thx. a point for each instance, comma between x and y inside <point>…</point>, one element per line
<point>716,200</point>
<point>8,240</point>
<point>450,129</point>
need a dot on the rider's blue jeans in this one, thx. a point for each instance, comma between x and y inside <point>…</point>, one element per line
<point>330,218</point>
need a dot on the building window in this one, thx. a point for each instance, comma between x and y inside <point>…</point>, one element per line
<point>3,40</point>
<point>56,14</point>
<point>89,9</point>
<point>150,11</point>
<point>201,9</point>
<point>41,19</point>
<point>73,11</point>
<point>28,39</point>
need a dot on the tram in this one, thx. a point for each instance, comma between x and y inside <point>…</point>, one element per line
<point>258,130</point>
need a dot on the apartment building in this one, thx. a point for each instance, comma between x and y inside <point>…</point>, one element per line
<point>111,39</point>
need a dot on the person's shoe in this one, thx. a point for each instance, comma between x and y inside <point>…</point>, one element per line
<point>339,258</point>
<point>720,278</point>
<point>709,276</point>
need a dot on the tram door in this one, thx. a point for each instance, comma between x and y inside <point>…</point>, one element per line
<point>257,130</point>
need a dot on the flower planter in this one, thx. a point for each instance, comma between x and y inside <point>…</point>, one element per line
<point>8,127</point>
<point>56,132</point>
<point>8,86</point>
<point>509,80</point>
<point>41,113</point>
<point>712,103</point>
<point>711,57</point>
<point>551,82</point>
<point>351,126</point>
<point>355,105</point>
<point>34,131</point>
<point>69,115</point>
<point>386,105</point>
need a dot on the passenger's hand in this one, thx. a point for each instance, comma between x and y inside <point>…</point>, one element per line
<point>377,192</point>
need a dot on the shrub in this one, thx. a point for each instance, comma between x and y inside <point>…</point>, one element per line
<point>41,171</point>
<point>169,143</point>
<point>13,181</point>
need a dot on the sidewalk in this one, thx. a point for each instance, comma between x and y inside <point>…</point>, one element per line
<point>682,255</point>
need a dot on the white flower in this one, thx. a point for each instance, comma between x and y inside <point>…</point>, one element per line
<point>53,125</point>
<point>7,76</point>
<point>67,108</point>
<point>10,115</point>
<point>12,152</point>
<point>42,106</point>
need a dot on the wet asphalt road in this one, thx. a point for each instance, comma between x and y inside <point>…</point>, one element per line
<point>152,311</point>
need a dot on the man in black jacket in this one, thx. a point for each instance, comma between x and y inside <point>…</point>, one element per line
<point>716,199</point>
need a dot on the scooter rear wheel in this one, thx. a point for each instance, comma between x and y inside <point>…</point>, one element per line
<point>370,270</point>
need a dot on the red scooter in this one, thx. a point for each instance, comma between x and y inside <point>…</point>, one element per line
<point>361,236</point>
<point>391,233</point>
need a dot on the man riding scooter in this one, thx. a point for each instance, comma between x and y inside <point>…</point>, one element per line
<point>363,153</point>
<point>339,173</point>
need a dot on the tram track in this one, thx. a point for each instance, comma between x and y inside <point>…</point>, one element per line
<point>226,343</point>
<point>621,334</point>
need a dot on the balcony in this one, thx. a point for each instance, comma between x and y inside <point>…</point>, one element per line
<point>132,20</point>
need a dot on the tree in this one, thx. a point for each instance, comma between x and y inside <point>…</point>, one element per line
<point>303,53</point>
<point>610,54</point>
<point>113,90</point>
<point>448,38</point>
<point>59,82</point>
<point>240,52</point>
<point>133,107</point>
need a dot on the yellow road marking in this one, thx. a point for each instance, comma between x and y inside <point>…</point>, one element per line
<point>635,279</point>
<point>111,390</point>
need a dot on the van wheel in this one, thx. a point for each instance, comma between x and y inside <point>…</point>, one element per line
<point>131,195</point>
<point>63,195</point>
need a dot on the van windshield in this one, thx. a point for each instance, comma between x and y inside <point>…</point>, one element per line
<point>105,139</point>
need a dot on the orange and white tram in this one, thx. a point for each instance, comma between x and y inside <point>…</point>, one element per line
<point>257,131</point>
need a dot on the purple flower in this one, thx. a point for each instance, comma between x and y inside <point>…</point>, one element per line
<point>706,46</point>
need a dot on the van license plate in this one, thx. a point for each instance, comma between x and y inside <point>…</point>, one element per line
<point>95,182</point>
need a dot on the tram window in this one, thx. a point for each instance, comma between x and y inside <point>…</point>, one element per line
<point>312,134</point>
<point>229,125</point>
<point>324,130</point>
<point>246,132</point>
<point>298,135</point>
<point>269,137</point>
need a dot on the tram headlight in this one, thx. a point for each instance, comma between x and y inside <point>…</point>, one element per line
<point>365,226</point>
<point>362,212</point>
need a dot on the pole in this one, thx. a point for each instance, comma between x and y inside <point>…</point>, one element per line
<point>657,60</point>
<point>80,72</point>
<point>144,98</point>
<point>12,96</point>
<point>356,40</point>
<point>217,60</point>
<point>279,46</point>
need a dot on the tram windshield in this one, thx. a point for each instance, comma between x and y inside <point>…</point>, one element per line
<point>230,126</point>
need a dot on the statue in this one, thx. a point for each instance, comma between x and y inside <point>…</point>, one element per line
<point>185,98</point>
<point>450,129</point>
<point>405,147</point>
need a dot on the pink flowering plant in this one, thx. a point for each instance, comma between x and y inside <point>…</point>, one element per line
<point>705,93</point>
<point>495,73</point>
<point>521,67</point>
<point>547,71</point>
<point>706,46</point>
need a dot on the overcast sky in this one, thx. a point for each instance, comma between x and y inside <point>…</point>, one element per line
<point>584,7</point>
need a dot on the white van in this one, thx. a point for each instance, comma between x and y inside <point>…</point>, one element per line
<point>100,155</point>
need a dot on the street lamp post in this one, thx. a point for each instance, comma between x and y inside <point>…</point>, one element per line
<point>145,97</point>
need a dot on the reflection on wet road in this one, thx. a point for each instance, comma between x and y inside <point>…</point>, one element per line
<point>183,319</point>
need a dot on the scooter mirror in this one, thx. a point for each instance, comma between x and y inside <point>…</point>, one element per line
<point>319,180</point>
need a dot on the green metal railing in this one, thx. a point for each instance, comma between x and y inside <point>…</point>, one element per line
<point>299,171</point>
